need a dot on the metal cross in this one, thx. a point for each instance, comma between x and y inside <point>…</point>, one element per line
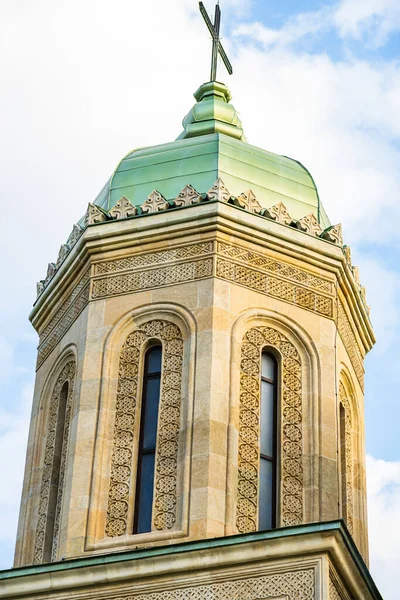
<point>217,46</point>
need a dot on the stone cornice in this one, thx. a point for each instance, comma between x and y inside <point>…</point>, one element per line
<point>192,562</point>
<point>202,219</point>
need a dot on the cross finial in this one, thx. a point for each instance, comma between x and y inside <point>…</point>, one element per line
<point>217,46</point>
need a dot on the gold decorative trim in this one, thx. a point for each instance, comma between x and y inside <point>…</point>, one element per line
<point>67,375</point>
<point>128,394</point>
<point>348,457</point>
<point>291,477</point>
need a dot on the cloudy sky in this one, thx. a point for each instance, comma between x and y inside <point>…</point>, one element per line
<point>85,81</point>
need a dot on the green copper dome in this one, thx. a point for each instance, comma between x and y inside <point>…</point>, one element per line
<point>213,145</point>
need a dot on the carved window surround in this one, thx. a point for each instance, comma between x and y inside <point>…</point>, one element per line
<point>67,374</point>
<point>290,439</point>
<point>348,429</point>
<point>128,408</point>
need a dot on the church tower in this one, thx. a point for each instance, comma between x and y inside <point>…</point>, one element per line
<point>197,427</point>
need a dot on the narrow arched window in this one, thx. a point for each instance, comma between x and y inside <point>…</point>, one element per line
<point>268,443</point>
<point>147,440</point>
<point>54,491</point>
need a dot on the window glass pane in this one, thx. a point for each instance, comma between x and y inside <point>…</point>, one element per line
<point>267,366</point>
<point>150,403</point>
<point>145,493</point>
<point>265,497</point>
<point>154,360</point>
<point>267,419</point>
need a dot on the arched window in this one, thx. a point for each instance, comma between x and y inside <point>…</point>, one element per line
<point>268,443</point>
<point>147,440</point>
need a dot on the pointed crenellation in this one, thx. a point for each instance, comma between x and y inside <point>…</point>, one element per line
<point>248,201</point>
<point>123,209</point>
<point>154,203</point>
<point>74,235</point>
<point>219,192</point>
<point>62,254</point>
<point>347,255</point>
<point>310,225</point>
<point>51,271</point>
<point>94,215</point>
<point>39,287</point>
<point>356,275</point>
<point>333,234</point>
<point>278,213</point>
<point>187,197</point>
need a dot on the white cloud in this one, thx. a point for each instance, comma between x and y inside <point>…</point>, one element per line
<point>376,19</point>
<point>384,523</point>
<point>13,435</point>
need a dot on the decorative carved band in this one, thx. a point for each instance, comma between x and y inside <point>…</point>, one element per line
<point>137,261</point>
<point>158,277</point>
<point>348,457</point>
<point>67,375</point>
<point>128,394</point>
<point>291,478</point>
<point>286,270</point>
<point>63,319</point>
<point>272,286</point>
<point>350,343</point>
<point>289,585</point>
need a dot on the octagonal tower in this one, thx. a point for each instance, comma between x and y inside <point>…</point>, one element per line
<point>217,257</point>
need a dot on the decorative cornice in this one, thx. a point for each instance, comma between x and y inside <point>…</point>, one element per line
<point>189,196</point>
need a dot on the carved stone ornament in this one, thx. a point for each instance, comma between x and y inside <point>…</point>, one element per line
<point>249,201</point>
<point>310,225</point>
<point>356,275</point>
<point>67,375</point>
<point>51,271</point>
<point>298,584</point>
<point>349,509</point>
<point>127,406</point>
<point>94,215</point>
<point>154,203</point>
<point>74,235</point>
<point>39,287</point>
<point>333,234</point>
<point>187,196</point>
<point>123,209</point>
<point>279,213</point>
<point>218,191</point>
<point>347,255</point>
<point>291,459</point>
<point>62,254</point>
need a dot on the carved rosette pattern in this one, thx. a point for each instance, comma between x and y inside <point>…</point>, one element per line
<point>67,375</point>
<point>291,479</point>
<point>291,585</point>
<point>164,507</point>
<point>348,457</point>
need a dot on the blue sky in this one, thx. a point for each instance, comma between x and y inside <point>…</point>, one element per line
<point>84,83</point>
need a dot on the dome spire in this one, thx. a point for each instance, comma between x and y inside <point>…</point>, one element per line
<point>217,47</point>
<point>212,113</point>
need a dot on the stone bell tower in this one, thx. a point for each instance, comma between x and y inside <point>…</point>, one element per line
<point>198,422</point>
